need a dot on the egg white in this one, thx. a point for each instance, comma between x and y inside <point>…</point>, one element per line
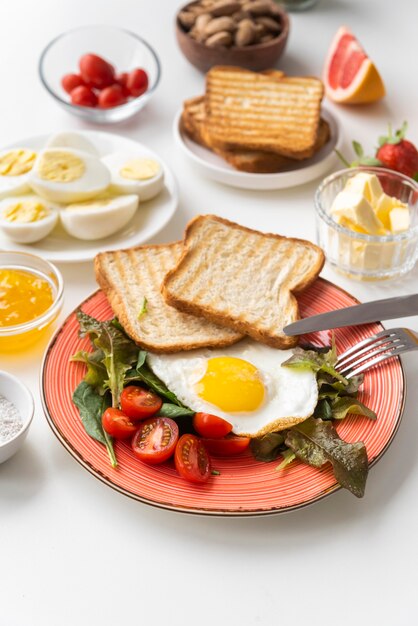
<point>94,180</point>
<point>28,232</point>
<point>91,222</point>
<point>146,189</point>
<point>74,140</point>
<point>290,395</point>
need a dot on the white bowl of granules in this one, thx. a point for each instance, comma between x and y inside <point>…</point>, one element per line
<point>16,413</point>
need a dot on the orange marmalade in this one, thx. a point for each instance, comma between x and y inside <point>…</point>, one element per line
<point>24,296</point>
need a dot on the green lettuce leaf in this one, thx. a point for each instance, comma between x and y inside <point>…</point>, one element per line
<point>174,411</point>
<point>268,447</point>
<point>91,405</point>
<point>146,375</point>
<point>288,457</point>
<point>96,375</point>
<point>315,361</point>
<point>340,407</point>
<point>316,442</point>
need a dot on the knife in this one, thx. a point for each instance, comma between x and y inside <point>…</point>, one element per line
<point>376,311</point>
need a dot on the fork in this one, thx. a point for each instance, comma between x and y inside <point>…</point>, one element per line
<point>375,349</point>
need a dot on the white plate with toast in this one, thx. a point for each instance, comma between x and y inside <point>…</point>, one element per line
<point>216,168</point>
<point>150,218</point>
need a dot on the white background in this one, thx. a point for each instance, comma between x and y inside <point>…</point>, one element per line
<point>74,551</point>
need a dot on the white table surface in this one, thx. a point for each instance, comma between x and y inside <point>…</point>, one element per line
<point>74,551</point>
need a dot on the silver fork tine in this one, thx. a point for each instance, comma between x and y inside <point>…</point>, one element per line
<point>384,341</point>
<point>379,359</point>
<point>386,351</point>
<point>365,342</point>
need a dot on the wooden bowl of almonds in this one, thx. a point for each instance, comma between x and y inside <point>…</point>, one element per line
<point>245,33</point>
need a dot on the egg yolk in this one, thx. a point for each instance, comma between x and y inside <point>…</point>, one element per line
<point>26,211</point>
<point>140,169</point>
<point>17,162</point>
<point>60,167</point>
<point>232,384</point>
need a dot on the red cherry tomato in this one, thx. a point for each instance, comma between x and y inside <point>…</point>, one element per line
<point>117,424</point>
<point>229,446</point>
<point>111,96</point>
<point>71,81</point>
<point>83,96</point>
<point>155,440</point>
<point>96,72</point>
<point>138,403</point>
<point>191,459</point>
<point>122,79</point>
<point>137,82</point>
<point>211,426</point>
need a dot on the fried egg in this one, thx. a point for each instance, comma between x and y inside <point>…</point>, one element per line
<point>68,175</point>
<point>244,384</point>
<point>135,173</point>
<point>15,168</point>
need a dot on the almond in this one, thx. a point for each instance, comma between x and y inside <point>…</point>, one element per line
<point>258,7</point>
<point>241,15</point>
<point>225,7</point>
<point>271,25</point>
<point>246,33</point>
<point>186,19</point>
<point>223,38</point>
<point>219,24</point>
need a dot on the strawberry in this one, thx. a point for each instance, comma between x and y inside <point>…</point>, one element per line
<point>397,153</point>
<point>394,152</point>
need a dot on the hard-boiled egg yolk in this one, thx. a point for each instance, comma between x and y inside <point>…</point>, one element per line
<point>60,166</point>
<point>140,169</point>
<point>26,211</point>
<point>17,162</point>
<point>232,384</point>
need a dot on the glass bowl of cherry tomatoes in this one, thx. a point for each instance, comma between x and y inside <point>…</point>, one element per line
<point>104,74</point>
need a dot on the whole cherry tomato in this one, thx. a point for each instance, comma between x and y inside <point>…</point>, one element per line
<point>111,96</point>
<point>191,459</point>
<point>71,81</point>
<point>139,403</point>
<point>96,71</point>
<point>137,82</point>
<point>83,96</point>
<point>155,440</point>
<point>229,446</point>
<point>122,80</point>
<point>117,424</point>
<point>212,426</point>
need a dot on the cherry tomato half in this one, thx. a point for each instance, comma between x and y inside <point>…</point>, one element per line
<point>229,446</point>
<point>212,426</point>
<point>71,81</point>
<point>96,71</point>
<point>83,96</point>
<point>155,440</point>
<point>137,82</point>
<point>117,424</point>
<point>138,403</point>
<point>111,96</point>
<point>191,459</point>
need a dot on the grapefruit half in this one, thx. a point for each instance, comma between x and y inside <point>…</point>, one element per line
<point>349,75</point>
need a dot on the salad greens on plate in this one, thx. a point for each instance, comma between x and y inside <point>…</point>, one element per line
<point>116,361</point>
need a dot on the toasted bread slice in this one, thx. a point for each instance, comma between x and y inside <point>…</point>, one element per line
<point>254,161</point>
<point>242,278</point>
<point>132,278</point>
<point>249,110</point>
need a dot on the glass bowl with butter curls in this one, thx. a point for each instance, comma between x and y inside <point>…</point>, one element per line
<point>367,222</point>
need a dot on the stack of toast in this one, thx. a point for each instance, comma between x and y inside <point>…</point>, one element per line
<point>259,122</point>
<point>222,282</point>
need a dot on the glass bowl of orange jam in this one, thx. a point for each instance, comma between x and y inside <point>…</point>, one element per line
<point>31,298</point>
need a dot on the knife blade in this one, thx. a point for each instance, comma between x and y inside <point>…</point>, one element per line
<point>376,311</point>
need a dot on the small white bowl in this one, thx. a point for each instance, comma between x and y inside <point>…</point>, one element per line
<point>18,394</point>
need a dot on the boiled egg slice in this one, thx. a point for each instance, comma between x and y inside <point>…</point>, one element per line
<point>15,167</point>
<point>72,140</point>
<point>245,384</point>
<point>27,218</point>
<point>98,218</point>
<point>135,173</point>
<point>68,175</point>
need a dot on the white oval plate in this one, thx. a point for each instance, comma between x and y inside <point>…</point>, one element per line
<point>150,218</point>
<point>213,166</point>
